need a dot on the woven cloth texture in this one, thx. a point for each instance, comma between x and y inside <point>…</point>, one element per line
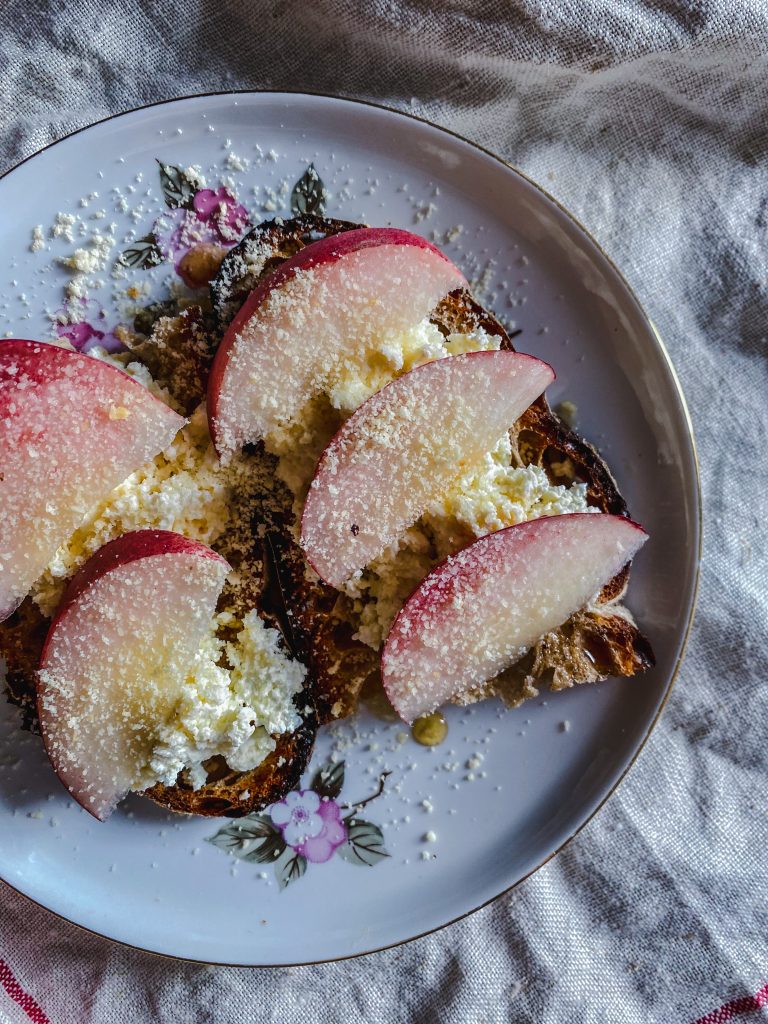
<point>649,120</point>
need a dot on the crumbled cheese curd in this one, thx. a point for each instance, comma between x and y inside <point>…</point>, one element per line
<point>62,226</point>
<point>195,176</point>
<point>353,381</point>
<point>500,494</point>
<point>236,697</point>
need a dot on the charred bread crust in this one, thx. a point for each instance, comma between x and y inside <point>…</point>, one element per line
<point>592,645</point>
<point>233,794</point>
<point>315,619</point>
<point>178,352</point>
<point>22,636</point>
<point>589,647</point>
<point>598,642</point>
<point>246,546</point>
<point>540,437</point>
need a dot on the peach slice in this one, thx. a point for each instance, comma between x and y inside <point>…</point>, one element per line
<point>329,301</point>
<point>71,429</point>
<point>480,610</point>
<point>116,658</point>
<point>404,447</point>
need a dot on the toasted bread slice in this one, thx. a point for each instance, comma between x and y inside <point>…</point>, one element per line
<point>597,642</point>
<point>226,792</point>
<point>177,353</point>
<point>245,545</point>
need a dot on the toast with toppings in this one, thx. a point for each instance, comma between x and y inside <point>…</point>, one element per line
<point>226,792</point>
<point>178,350</point>
<point>598,641</point>
<point>334,631</point>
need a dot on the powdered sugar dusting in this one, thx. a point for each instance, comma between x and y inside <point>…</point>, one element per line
<point>106,426</point>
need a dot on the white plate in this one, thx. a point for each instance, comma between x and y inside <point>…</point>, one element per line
<point>151,880</point>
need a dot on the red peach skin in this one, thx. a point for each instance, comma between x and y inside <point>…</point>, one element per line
<point>330,301</point>
<point>480,610</point>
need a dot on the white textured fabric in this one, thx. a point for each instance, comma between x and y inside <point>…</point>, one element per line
<point>650,122</point>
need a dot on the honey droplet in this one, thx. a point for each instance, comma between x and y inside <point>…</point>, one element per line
<point>430,730</point>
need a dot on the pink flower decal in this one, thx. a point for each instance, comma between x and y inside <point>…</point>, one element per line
<point>81,333</point>
<point>311,825</point>
<point>296,816</point>
<point>221,211</point>
<point>320,848</point>
<point>81,336</point>
<point>215,218</point>
<point>176,231</point>
<point>308,826</point>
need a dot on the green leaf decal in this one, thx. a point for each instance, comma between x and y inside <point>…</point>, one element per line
<point>365,843</point>
<point>329,780</point>
<point>309,194</point>
<point>289,868</point>
<point>253,839</point>
<point>178,190</point>
<point>142,253</point>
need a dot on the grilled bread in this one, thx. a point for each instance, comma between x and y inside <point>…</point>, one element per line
<point>318,623</point>
<point>178,351</point>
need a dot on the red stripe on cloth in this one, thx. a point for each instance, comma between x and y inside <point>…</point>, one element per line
<point>18,995</point>
<point>746,1004</point>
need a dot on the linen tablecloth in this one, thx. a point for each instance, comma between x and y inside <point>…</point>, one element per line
<point>649,120</point>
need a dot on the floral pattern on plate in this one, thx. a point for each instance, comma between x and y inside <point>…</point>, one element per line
<point>193,234</point>
<point>195,216</point>
<point>199,216</point>
<point>308,826</point>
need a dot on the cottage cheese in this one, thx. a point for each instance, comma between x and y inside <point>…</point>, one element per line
<point>184,489</point>
<point>352,382</point>
<point>236,697</point>
<point>493,497</point>
<point>499,494</point>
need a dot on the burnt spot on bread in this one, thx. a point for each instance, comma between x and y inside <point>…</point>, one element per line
<point>178,351</point>
<point>22,636</point>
